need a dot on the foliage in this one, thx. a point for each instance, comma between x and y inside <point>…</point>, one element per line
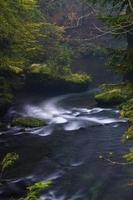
<point>118,22</point>
<point>27,38</point>
<point>129,156</point>
<point>38,68</point>
<point>110,97</point>
<point>33,191</point>
<point>18,33</point>
<point>78,78</point>
<point>119,94</point>
<point>120,60</point>
<point>127,111</point>
<point>129,133</point>
<point>115,93</point>
<point>63,73</point>
<point>28,122</point>
<point>8,161</point>
<point>60,64</point>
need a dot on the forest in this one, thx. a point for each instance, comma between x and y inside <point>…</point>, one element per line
<point>66,100</point>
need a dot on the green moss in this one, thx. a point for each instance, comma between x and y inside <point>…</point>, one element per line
<point>115,93</point>
<point>66,75</point>
<point>119,94</point>
<point>78,78</point>
<point>34,190</point>
<point>28,122</point>
<point>113,96</point>
<point>39,68</point>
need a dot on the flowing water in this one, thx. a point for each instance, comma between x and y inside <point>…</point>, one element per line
<point>68,150</point>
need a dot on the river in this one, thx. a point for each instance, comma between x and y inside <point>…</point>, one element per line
<point>68,150</point>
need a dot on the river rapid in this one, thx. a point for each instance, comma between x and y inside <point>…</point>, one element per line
<point>69,149</point>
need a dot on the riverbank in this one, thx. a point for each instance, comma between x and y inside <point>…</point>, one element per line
<point>38,82</point>
<point>120,95</point>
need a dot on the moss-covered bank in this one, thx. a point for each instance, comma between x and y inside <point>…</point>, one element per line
<point>46,83</point>
<point>121,95</point>
<point>114,94</point>
<point>36,80</point>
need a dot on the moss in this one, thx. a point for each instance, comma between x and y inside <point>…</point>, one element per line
<point>39,68</point>
<point>28,122</point>
<point>119,94</point>
<point>115,93</point>
<point>42,82</point>
<point>113,96</point>
<point>78,78</point>
<point>65,75</point>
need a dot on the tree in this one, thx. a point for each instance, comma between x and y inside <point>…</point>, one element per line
<point>19,31</point>
<point>120,24</point>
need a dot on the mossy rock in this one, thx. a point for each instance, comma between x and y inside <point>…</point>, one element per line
<point>28,122</point>
<point>112,97</point>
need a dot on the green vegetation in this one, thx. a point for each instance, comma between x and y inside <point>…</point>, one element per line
<point>115,93</point>
<point>67,74</point>
<point>8,161</point>
<point>129,156</point>
<point>113,96</point>
<point>35,189</point>
<point>18,41</point>
<point>119,24</point>
<point>28,122</point>
<point>30,43</point>
<point>127,111</point>
<point>78,78</point>
<point>122,95</point>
